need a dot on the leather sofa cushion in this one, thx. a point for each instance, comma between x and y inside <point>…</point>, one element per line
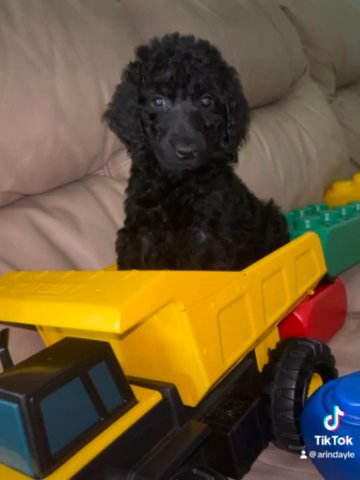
<point>295,148</point>
<point>71,227</point>
<point>59,62</point>
<point>346,106</point>
<point>330,34</point>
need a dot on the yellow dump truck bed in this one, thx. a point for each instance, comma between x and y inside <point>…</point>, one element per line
<point>187,328</point>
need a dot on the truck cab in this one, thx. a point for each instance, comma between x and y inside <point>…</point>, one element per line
<point>69,411</point>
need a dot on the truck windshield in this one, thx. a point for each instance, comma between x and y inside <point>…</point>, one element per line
<point>14,449</point>
<point>67,412</point>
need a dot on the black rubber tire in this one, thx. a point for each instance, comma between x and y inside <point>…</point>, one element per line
<point>285,385</point>
<point>197,473</point>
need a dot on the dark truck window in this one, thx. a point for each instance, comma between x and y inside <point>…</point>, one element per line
<point>105,385</point>
<point>14,450</point>
<point>58,400</point>
<point>67,412</point>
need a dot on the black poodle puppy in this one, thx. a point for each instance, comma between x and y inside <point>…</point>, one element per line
<point>181,112</point>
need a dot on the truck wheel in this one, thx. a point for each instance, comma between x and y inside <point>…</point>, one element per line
<point>197,473</point>
<point>296,368</point>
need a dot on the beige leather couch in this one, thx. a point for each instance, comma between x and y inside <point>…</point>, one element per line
<point>63,174</point>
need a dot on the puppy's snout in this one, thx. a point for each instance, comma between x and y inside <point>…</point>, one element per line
<point>185,150</point>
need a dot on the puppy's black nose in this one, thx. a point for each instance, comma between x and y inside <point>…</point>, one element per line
<point>185,150</point>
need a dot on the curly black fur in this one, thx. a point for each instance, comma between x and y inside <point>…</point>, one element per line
<point>181,112</point>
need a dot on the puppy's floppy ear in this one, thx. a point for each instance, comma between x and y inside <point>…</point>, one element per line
<point>237,116</point>
<point>123,112</point>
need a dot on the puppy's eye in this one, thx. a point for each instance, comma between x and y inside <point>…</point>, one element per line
<point>206,100</point>
<point>159,102</point>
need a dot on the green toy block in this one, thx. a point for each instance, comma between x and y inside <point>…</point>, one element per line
<point>338,229</point>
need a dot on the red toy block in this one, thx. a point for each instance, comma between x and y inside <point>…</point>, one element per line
<point>320,315</point>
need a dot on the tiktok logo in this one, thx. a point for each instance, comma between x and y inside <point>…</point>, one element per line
<point>332,422</point>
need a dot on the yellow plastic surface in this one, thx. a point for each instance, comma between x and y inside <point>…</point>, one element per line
<point>147,399</point>
<point>262,348</point>
<point>343,192</point>
<point>315,382</point>
<point>187,328</point>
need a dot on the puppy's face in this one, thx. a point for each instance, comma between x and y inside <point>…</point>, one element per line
<point>180,101</point>
<point>185,125</point>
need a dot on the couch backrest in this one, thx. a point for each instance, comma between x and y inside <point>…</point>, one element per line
<point>59,62</point>
<point>330,34</point>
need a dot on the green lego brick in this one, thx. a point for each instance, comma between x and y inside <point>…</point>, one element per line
<point>338,229</point>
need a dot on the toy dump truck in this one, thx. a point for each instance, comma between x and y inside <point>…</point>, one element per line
<point>158,375</point>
